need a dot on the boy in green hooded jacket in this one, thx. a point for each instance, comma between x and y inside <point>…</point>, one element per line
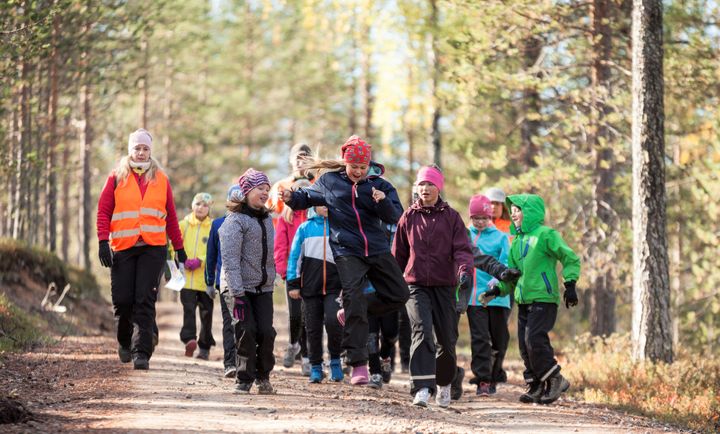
<point>535,251</point>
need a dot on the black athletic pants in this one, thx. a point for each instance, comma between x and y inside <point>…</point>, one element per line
<point>489,337</point>
<point>319,310</point>
<point>254,336</point>
<point>391,293</point>
<point>296,323</point>
<point>134,281</point>
<point>382,335</point>
<point>228,335</point>
<point>192,300</point>
<point>535,321</point>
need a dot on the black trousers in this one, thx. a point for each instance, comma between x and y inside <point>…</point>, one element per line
<point>434,323</point>
<point>535,321</point>
<point>391,293</point>
<point>296,323</point>
<point>228,334</point>
<point>192,300</point>
<point>254,336</point>
<point>382,335</point>
<point>404,340</point>
<point>489,337</point>
<point>319,310</point>
<point>134,281</point>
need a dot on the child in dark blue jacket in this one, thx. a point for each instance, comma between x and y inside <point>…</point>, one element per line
<point>312,274</point>
<point>213,265</point>
<point>358,201</point>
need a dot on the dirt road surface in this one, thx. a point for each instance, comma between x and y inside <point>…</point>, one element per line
<point>80,386</point>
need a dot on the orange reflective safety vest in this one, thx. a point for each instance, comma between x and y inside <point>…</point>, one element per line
<point>136,215</point>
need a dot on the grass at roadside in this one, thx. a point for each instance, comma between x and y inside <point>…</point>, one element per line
<point>685,393</point>
<point>20,330</point>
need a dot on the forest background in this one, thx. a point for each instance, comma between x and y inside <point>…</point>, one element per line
<point>532,96</point>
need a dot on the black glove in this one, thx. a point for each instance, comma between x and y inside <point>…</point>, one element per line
<point>105,254</point>
<point>462,296</point>
<point>510,275</point>
<point>488,296</point>
<point>181,256</point>
<point>570,295</point>
<point>293,284</point>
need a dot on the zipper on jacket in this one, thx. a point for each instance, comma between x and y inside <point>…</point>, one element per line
<point>258,288</point>
<point>357,214</point>
<point>324,256</point>
<point>548,287</point>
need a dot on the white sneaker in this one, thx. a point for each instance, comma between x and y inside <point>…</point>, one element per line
<point>305,368</point>
<point>422,397</point>
<point>290,353</point>
<point>443,396</point>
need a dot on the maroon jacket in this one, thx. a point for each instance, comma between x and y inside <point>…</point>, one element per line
<point>432,246</point>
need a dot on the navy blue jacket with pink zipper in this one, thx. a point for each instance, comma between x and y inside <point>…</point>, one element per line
<point>355,219</point>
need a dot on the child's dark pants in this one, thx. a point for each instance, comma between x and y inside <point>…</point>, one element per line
<point>535,321</point>
<point>228,335</point>
<point>434,320</point>
<point>255,338</point>
<point>383,333</point>
<point>391,293</point>
<point>191,299</point>
<point>319,310</point>
<point>489,337</point>
<point>296,324</point>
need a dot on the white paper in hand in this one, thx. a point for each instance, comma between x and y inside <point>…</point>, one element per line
<point>177,277</point>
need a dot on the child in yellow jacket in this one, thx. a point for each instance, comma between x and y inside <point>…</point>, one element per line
<point>195,229</point>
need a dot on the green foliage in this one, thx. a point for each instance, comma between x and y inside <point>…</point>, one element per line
<point>20,330</point>
<point>686,392</point>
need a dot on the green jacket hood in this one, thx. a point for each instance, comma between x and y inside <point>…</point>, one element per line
<point>533,208</point>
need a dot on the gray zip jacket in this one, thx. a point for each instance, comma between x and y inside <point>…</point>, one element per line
<point>246,247</point>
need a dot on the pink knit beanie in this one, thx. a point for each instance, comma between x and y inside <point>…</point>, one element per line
<point>480,206</point>
<point>432,175</point>
<point>250,179</point>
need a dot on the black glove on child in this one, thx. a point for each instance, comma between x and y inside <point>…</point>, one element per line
<point>510,275</point>
<point>181,256</point>
<point>105,254</point>
<point>570,295</point>
<point>488,296</point>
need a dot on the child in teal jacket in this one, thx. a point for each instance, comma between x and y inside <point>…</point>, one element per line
<point>535,251</point>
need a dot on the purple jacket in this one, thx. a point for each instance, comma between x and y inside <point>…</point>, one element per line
<point>432,246</point>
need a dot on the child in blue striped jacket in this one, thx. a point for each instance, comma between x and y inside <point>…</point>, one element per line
<point>312,275</point>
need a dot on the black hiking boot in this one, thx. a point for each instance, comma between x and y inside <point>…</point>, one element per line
<point>140,361</point>
<point>243,388</point>
<point>534,392</point>
<point>456,389</point>
<point>556,385</point>
<point>264,387</point>
<point>125,354</point>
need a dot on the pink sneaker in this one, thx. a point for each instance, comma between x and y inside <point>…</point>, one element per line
<point>190,347</point>
<point>359,375</point>
<point>341,318</point>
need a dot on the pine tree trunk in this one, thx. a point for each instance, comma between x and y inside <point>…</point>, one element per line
<point>436,135</point>
<point>530,125</point>
<point>21,179</point>
<point>651,325</point>
<point>85,221</point>
<point>143,84</point>
<point>51,178</point>
<point>602,292</point>
<point>65,197</point>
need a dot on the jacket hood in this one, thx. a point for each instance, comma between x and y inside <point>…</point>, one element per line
<point>533,208</point>
<point>191,219</point>
<point>440,205</point>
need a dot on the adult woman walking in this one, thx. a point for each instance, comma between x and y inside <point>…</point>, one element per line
<point>136,215</point>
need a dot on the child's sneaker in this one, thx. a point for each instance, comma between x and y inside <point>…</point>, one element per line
<point>483,389</point>
<point>359,375</point>
<point>336,372</point>
<point>443,396</point>
<point>190,347</point>
<point>556,385</point>
<point>492,389</point>
<point>456,389</point>
<point>141,361</point>
<point>534,392</point>
<point>290,353</point>
<point>316,373</point>
<point>305,367</point>
<point>404,367</point>
<point>243,388</point>
<point>341,317</point>
<point>264,387</point>
<point>422,397</point>
<point>230,371</point>
<point>386,369</point>
<point>376,381</point>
